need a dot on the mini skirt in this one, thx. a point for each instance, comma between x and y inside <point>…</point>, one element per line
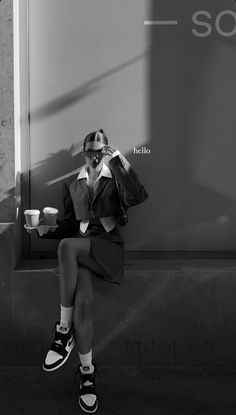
<point>107,248</point>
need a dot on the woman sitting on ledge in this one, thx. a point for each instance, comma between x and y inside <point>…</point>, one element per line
<point>91,245</point>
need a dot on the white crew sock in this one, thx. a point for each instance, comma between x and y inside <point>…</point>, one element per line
<point>66,316</point>
<point>86,362</point>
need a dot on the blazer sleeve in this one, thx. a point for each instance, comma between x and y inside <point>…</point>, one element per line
<point>132,191</point>
<point>67,225</point>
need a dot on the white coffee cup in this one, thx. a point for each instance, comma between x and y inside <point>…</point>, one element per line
<point>50,215</point>
<point>32,217</point>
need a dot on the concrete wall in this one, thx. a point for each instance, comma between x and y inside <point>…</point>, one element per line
<point>88,69</point>
<point>167,88</point>
<point>172,316</point>
<point>7,168</point>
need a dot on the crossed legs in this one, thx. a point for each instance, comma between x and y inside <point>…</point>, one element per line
<point>77,268</point>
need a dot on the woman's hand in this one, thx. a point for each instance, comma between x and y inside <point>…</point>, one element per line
<point>110,151</point>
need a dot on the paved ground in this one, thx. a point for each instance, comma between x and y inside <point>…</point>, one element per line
<point>122,391</point>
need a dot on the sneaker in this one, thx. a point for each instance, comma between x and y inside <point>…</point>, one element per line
<point>60,349</point>
<point>88,400</point>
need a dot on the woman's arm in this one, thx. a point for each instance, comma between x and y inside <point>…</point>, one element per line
<point>131,190</point>
<point>68,225</point>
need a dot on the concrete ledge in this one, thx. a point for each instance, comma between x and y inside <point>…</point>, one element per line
<point>142,264</point>
<point>167,315</point>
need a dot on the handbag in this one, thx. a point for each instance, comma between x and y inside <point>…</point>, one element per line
<point>122,216</point>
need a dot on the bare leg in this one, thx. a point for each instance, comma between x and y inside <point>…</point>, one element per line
<point>69,251</point>
<point>77,268</point>
<point>83,321</point>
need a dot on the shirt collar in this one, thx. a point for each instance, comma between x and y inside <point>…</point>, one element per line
<point>105,172</point>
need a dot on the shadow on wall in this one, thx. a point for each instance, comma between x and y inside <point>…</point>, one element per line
<point>192,124</point>
<point>81,92</point>
<point>49,174</point>
<point>191,130</point>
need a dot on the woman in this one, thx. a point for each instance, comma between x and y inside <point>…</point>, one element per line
<point>91,245</point>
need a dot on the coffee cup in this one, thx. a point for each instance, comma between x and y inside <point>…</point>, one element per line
<point>50,216</point>
<point>32,217</point>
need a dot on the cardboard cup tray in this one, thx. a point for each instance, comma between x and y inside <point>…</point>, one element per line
<point>42,229</point>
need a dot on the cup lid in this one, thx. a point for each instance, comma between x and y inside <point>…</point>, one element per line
<point>31,211</point>
<point>50,210</point>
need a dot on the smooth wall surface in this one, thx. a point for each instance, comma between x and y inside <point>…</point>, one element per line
<point>169,88</point>
<point>88,69</point>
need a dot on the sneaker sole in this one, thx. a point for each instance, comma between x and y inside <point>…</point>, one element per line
<point>87,411</point>
<point>63,361</point>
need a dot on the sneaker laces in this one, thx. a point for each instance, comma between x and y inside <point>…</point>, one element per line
<point>80,375</point>
<point>60,339</point>
<point>88,383</point>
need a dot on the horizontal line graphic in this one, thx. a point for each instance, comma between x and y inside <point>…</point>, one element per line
<point>160,22</point>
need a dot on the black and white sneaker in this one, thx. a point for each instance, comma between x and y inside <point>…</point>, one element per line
<point>60,349</point>
<point>88,400</point>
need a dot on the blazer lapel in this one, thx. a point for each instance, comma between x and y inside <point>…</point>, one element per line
<point>101,185</point>
<point>85,188</point>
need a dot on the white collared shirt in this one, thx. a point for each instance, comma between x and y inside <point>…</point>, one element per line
<point>105,171</point>
<point>108,222</point>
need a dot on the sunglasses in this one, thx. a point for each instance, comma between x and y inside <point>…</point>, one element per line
<point>92,153</point>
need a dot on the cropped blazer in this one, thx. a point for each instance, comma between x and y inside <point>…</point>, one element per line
<point>78,203</point>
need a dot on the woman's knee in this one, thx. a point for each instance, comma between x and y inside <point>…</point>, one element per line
<point>73,246</point>
<point>65,247</point>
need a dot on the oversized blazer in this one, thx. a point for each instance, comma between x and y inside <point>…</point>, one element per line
<point>79,204</point>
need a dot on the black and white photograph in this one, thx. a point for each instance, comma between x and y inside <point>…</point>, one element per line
<point>118,207</point>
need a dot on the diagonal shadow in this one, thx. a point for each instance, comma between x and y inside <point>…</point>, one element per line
<point>188,88</point>
<point>174,101</point>
<point>71,97</point>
